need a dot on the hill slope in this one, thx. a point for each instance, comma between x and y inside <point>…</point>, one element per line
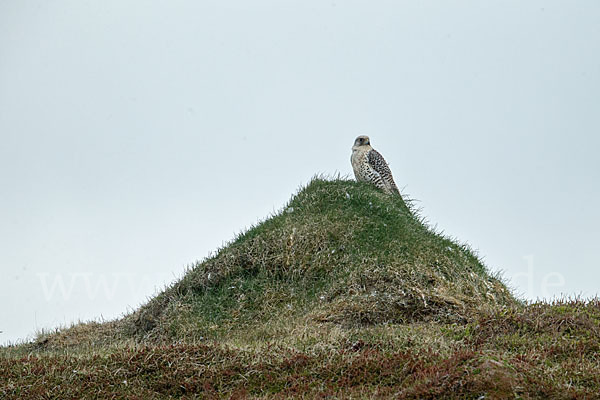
<point>339,252</point>
<point>345,292</point>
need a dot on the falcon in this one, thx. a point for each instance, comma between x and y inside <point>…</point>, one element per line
<point>370,166</point>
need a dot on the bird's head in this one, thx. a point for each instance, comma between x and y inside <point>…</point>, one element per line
<point>362,141</point>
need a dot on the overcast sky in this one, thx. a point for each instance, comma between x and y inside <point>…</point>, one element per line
<point>139,136</point>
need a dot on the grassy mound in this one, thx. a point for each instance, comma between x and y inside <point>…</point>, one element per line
<point>339,252</point>
<point>345,293</point>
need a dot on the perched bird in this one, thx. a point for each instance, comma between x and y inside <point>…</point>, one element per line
<point>369,166</point>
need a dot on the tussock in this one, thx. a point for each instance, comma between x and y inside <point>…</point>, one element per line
<point>339,252</point>
<point>345,293</point>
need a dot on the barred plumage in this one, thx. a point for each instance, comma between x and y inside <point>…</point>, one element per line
<point>370,166</point>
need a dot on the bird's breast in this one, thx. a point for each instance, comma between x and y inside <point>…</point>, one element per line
<point>357,161</point>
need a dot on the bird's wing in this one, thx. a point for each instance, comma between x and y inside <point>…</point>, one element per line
<point>377,162</point>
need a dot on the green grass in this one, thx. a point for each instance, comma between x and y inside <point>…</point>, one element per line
<point>344,293</point>
<point>339,252</point>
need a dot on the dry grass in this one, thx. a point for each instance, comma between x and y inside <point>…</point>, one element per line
<point>542,351</point>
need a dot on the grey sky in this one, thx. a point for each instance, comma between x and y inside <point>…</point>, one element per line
<point>138,136</point>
